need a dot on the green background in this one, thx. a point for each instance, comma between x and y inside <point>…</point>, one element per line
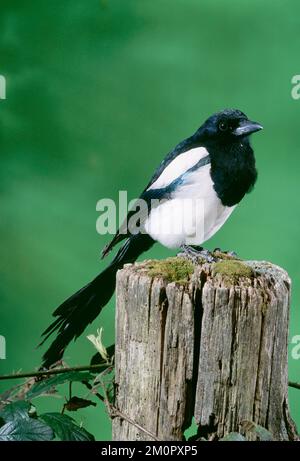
<point>97,93</point>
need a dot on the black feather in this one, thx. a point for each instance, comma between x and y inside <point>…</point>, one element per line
<point>78,311</point>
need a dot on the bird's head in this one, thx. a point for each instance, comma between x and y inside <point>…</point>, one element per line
<point>228,125</point>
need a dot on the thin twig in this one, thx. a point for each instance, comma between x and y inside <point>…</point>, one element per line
<point>55,371</point>
<point>90,388</point>
<point>70,390</point>
<point>106,398</point>
<point>113,411</point>
<point>295,385</point>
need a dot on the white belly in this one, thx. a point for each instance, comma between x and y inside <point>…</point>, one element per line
<point>191,216</point>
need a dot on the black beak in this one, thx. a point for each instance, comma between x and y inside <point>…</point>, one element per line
<point>246,127</point>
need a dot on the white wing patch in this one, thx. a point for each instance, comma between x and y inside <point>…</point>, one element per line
<point>178,166</point>
<point>192,215</point>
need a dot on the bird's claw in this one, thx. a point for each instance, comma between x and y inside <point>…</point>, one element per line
<point>197,254</point>
<point>231,254</point>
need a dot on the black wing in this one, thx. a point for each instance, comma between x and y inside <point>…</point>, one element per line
<point>146,195</point>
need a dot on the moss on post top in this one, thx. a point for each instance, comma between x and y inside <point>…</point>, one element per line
<point>232,269</point>
<point>180,269</point>
<point>171,269</point>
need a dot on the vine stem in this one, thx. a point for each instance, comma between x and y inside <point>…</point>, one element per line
<point>55,371</point>
<point>295,385</point>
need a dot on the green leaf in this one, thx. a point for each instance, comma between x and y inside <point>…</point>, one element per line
<point>25,430</point>
<point>233,437</point>
<point>48,384</point>
<point>261,432</point>
<point>191,432</point>
<point>15,410</point>
<point>66,428</point>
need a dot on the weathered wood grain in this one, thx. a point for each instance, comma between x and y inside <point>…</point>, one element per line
<point>214,348</point>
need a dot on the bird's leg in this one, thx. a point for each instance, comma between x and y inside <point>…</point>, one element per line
<point>196,253</point>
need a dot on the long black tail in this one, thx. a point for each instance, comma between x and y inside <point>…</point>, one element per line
<point>75,314</point>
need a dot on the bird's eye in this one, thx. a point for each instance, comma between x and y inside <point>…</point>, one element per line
<point>223,126</point>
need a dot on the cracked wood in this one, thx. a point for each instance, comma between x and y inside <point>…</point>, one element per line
<point>213,348</point>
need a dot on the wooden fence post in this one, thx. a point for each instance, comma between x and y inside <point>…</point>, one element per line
<point>205,341</point>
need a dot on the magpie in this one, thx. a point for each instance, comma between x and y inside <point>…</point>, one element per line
<point>214,167</point>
